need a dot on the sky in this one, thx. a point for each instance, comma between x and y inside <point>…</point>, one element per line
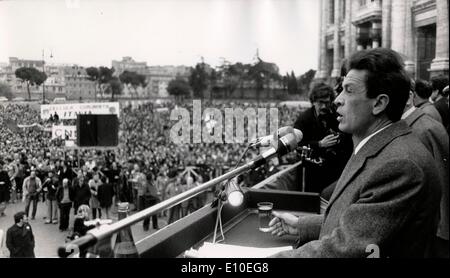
<point>162,32</point>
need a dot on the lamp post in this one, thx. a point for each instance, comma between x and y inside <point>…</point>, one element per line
<point>43,70</point>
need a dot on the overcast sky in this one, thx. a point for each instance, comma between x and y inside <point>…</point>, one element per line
<point>162,32</point>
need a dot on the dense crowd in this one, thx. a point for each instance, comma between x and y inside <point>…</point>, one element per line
<point>147,167</point>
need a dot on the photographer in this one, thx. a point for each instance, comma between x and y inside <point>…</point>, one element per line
<point>321,134</point>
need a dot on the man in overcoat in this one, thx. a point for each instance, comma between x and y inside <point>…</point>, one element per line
<point>386,202</point>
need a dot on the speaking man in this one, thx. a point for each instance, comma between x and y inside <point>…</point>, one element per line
<point>387,197</point>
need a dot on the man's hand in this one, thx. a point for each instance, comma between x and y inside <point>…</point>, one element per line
<point>329,141</point>
<point>283,224</point>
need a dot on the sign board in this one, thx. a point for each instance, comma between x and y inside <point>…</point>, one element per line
<point>69,111</point>
<point>68,132</point>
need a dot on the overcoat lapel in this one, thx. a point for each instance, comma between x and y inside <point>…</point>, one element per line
<point>371,148</point>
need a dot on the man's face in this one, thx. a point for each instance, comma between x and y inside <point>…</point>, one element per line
<point>25,219</point>
<point>322,105</point>
<point>33,174</point>
<point>354,108</point>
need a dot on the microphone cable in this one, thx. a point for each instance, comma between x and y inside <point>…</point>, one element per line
<point>220,203</point>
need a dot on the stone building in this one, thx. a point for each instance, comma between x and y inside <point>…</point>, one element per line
<point>417,29</point>
<point>77,84</point>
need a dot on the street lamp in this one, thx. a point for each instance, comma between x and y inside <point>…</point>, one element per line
<point>43,70</point>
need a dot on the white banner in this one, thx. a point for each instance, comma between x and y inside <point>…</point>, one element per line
<point>68,132</point>
<point>70,110</point>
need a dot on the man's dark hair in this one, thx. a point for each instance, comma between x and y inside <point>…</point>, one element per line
<point>321,90</point>
<point>423,89</point>
<point>18,216</point>
<point>385,75</point>
<point>439,82</point>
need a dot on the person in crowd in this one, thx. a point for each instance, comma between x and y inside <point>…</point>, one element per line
<point>50,186</point>
<point>440,97</point>
<point>435,138</point>
<point>66,172</point>
<point>12,172</point>
<point>105,197</point>
<point>18,176</point>
<point>81,192</point>
<point>32,185</point>
<point>148,199</point>
<point>114,179</point>
<point>79,227</point>
<point>20,238</point>
<point>173,189</point>
<point>389,192</point>
<point>5,187</point>
<point>138,182</point>
<point>64,197</point>
<point>422,93</point>
<point>94,204</point>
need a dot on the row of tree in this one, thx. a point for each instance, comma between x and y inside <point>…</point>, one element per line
<point>227,78</point>
<point>106,82</point>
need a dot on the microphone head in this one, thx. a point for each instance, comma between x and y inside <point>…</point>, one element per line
<point>298,135</point>
<point>283,131</point>
<point>287,144</point>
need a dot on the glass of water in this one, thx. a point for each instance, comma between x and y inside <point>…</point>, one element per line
<point>264,215</point>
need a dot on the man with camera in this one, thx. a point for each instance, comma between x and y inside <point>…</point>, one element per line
<point>320,133</point>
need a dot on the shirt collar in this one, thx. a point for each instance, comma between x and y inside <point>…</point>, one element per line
<point>408,112</point>
<point>365,140</point>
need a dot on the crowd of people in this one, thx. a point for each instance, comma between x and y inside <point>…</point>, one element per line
<point>146,168</point>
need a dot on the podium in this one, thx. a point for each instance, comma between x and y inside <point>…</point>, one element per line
<point>240,224</point>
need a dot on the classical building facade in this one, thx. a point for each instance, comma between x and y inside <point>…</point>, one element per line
<point>417,29</point>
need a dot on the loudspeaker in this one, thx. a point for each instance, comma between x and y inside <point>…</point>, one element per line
<point>97,130</point>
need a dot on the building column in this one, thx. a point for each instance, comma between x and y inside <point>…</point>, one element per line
<point>348,28</point>
<point>321,71</point>
<point>353,28</point>
<point>386,23</point>
<point>410,65</point>
<point>376,34</point>
<point>336,72</point>
<point>440,64</point>
<point>398,26</point>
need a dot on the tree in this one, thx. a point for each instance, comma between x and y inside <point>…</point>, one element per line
<point>126,78</point>
<point>31,76</point>
<point>93,75</point>
<point>5,91</point>
<point>115,87</point>
<point>304,81</point>
<point>292,85</point>
<point>133,79</point>
<point>179,88</point>
<point>262,73</point>
<point>198,80</point>
<point>105,75</point>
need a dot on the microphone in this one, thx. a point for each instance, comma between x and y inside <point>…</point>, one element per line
<point>272,140</point>
<point>285,144</point>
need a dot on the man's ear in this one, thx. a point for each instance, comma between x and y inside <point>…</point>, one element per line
<point>380,104</point>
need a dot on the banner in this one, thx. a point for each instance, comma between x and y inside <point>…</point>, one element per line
<point>69,111</point>
<point>67,132</point>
